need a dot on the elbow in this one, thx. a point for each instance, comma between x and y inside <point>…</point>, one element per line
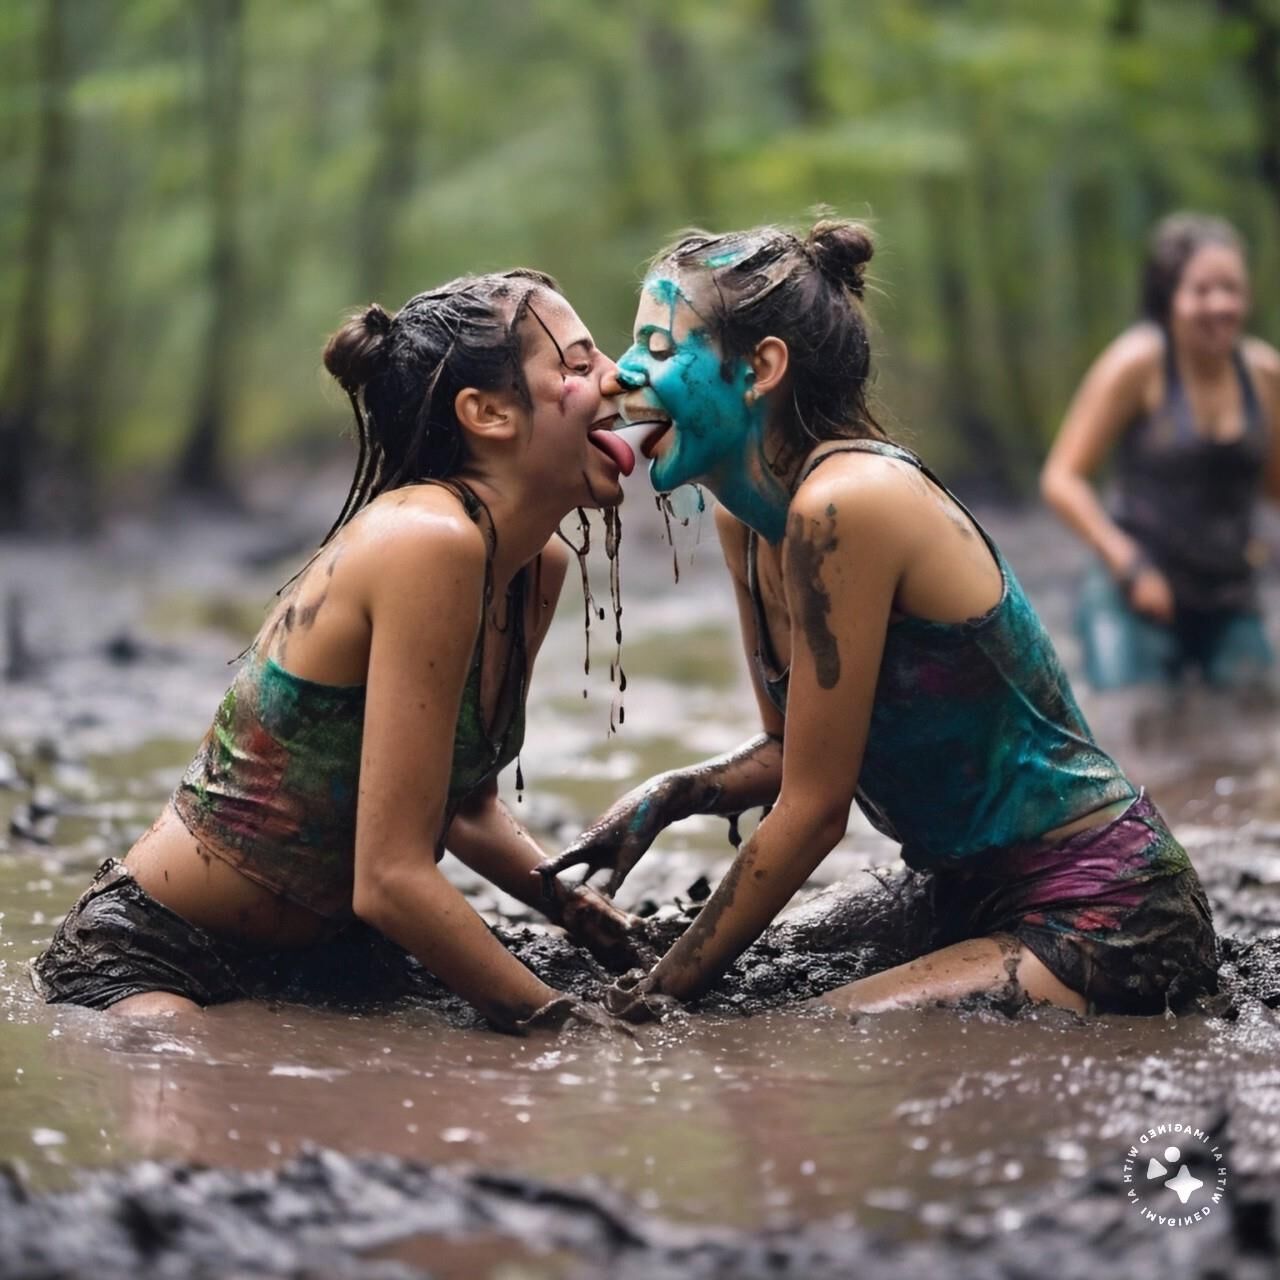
<point>378,897</point>
<point>1051,486</point>
<point>369,901</point>
<point>830,830</point>
<point>815,828</point>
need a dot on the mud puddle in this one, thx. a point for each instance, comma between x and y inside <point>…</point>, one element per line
<point>783,1143</point>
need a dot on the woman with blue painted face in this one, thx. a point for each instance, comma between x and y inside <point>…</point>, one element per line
<point>896,661</point>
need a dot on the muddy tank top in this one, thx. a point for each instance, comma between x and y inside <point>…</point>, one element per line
<point>1189,501</point>
<point>976,742</point>
<point>272,789</point>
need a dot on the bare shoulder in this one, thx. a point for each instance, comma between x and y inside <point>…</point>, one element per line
<point>858,485</point>
<point>1134,356</point>
<point>1263,361</point>
<point>417,537</point>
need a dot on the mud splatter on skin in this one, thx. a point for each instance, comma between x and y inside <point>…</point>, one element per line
<point>807,548</point>
<point>744,778</point>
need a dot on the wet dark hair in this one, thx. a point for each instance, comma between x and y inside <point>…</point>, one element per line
<point>1175,240</point>
<point>808,292</point>
<point>403,373</point>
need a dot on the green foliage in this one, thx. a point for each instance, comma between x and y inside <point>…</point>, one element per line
<point>1011,154</point>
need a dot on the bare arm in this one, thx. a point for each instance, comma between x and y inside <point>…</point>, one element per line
<point>1264,364</point>
<point>1109,398</point>
<point>745,778</point>
<point>398,887</point>
<point>486,835</point>
<point>840,600</point>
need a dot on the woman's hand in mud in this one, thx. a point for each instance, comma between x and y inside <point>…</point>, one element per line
<point>618,940</point>
<point>633,999</point>
<point>1151,595</point>
<point>565,1011</point>
<point>620,837</point>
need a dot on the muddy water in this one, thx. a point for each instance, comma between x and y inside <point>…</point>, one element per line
<point>929,1126</point>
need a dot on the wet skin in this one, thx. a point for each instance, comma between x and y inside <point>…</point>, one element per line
<point>674,372</point>
<point>368,612</point>
<point>835,603</point>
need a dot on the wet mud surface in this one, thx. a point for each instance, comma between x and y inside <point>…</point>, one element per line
<point>360,1121</point>
<point>323,1214</point>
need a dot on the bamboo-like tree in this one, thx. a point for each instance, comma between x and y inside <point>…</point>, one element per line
<point>25,385</point>
<point>202,466</point>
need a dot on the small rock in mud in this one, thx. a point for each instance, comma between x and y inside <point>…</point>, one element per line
<point>11,777</point>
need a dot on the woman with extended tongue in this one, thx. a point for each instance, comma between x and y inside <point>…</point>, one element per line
<point>364,732</point>
<point>896,662</point>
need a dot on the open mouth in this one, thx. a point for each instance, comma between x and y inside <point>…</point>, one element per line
<point>617,450</point>
<point>660,428</point>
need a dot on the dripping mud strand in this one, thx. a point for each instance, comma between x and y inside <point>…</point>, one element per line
<point>612,547</point>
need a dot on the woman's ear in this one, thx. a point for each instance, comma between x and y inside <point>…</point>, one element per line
<point>769,363</point>
<point>485,413</point>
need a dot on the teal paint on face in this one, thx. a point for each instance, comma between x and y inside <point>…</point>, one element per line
<point>717,434</point>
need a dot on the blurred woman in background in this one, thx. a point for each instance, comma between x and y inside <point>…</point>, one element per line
<point>1191,407</point>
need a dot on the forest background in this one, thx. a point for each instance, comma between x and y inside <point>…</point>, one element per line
<point>193,192</point>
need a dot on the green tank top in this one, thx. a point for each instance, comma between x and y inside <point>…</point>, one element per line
<point>976,741</point>
<point>272,789</point>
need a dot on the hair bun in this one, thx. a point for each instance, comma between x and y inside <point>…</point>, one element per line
<point>358,350</point>
<point>841,251</point>
<point>376,320</point>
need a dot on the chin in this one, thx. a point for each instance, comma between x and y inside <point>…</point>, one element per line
<point>664,476</point>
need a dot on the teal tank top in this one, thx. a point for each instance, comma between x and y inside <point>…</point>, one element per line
<point>976,742</point>
<point>272,789</point>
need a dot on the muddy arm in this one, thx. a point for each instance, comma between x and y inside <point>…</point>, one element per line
<point>745,778</point>
<point>486,836</point>
<point>840,602</point>
<point>406,763</point>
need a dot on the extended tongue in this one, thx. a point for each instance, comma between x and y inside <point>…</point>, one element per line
<point>619,450</point>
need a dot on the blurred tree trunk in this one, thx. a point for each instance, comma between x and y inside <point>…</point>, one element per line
<point>1260,61</point>
<point>795,35</point>
<point>99,225</point>
<point>202,466</point>
<point>24,388</point>
<point>398,131</point>
<point>1126,19</point>
<point>986,454</point>
<point>682,105</point>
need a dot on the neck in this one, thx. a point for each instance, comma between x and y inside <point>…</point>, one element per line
<point>1204,364</point>
<point>521,527</point>
<point>750,490</point>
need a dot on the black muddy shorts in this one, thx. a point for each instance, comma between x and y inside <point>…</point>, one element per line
<point>118,941</point>
<point>1115,912</point>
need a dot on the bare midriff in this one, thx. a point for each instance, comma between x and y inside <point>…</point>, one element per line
<point>172,866</point>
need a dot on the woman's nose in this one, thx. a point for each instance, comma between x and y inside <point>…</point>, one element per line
<point>620,379</point>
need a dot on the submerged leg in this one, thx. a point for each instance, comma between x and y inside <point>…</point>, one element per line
<point>997,965</point>
<point>149,1004</point>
